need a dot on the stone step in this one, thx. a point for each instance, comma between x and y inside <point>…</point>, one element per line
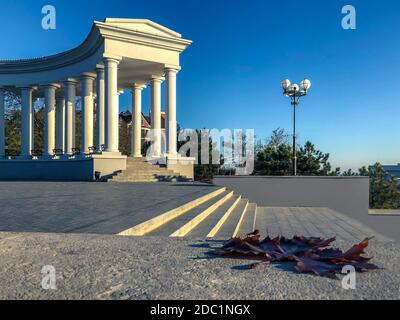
<point>135,175</point>
<point>203,230</point>
<point>147,167</point>
<point>248,224</point>
<point>184,230</point>
<point>144,176</point>
<point>143,165</point>
<point>134,181</point>
<point>149,172</point>
<point>231,225</point>
<point>155,224</point>
<point>176,224</point>
<point>134,161</point>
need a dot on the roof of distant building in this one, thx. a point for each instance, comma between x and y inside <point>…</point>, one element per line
<point>146,120</point>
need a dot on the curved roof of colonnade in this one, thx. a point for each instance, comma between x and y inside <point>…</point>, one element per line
<point>86,56</point>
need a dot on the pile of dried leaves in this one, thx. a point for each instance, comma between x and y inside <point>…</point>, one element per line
<point>310,254</point>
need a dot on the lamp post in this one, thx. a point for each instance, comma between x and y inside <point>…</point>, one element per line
<point>294,92</point>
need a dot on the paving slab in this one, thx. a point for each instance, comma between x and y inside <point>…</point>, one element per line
<point>89,207</point>
<point>114,267</point>
<point>312,221</point>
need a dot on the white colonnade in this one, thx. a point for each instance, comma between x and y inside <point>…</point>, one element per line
<point>101,87</point>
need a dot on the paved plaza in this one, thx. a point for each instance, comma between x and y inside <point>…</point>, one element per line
<point>103,208</point>
<point>85,207</point>
<point>54,223</point>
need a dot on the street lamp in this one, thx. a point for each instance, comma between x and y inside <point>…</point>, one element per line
<point>294,92</point>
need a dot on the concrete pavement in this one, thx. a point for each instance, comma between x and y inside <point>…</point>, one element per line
<point>114,267</point>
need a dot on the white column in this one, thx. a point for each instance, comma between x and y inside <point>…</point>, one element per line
<point>155,84</point>
<point>99,107</point>
<point>2,127</point>
<point>137,120</point>
<point>170,73</point>
<point>49,119</point>
<point>70,95</point>
<point>111,106</point>
<point>26,122</point>
<point>87,111</point>
<point>60,123</point>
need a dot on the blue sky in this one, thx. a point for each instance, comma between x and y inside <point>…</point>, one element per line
<point>242,49</point>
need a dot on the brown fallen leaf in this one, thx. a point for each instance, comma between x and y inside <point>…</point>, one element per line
<point>311,254</point>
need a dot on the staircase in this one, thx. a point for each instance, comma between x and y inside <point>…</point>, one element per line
<point>139,170</point>
<point>221,214</point>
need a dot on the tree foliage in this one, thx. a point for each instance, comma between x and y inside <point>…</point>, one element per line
<point>384,193</point>
<point>205,171</point>
<point>124,137</point>
<point>275,157</point>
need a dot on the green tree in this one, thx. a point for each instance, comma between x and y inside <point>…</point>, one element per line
<point>274,161</point>
<point>349,173</point>
<point>312,162</point>
<point>13,132</point>
<point>384,193</point>
<point>363,171</point>
<point>205,171</point>
<point>39,131</point>
<point>275,157</point>
<point>124,137</point>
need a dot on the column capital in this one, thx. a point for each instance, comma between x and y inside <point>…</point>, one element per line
<point>51,85</point>
<point>172,68</point>
<point>100,72</point>
<point>27,87</point>
<point>111,57</point>
<point>88,76</point>
<point>137,86</point>
<point>156,79</point>
<point>70,81</point>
